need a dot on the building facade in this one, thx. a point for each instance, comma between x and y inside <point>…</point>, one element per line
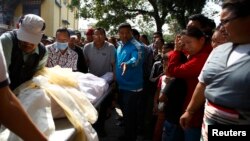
<point>55,13</point>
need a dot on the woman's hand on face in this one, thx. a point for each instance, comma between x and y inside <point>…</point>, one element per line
<point>178,43</point>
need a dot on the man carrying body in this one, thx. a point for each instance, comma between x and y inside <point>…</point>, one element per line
<point>100,58</point>
<point>22,49</point>
<point>12,114</point>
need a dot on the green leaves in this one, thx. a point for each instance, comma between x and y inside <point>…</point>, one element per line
<point>111,13</point>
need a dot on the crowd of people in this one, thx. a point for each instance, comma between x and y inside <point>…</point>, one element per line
<point>167,91</point>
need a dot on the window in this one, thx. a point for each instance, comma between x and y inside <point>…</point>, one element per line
<point>32,7</point>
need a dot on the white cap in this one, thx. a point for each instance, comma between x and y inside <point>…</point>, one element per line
<point>31,29</point>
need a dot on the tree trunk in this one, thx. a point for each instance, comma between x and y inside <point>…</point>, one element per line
<point>159,25</point>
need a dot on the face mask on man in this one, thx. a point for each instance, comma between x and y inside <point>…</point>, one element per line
<point>61,46</point>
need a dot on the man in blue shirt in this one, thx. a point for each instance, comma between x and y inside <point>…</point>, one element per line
<point>129,76</point>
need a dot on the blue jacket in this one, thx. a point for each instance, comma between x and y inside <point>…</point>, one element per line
<point>131,53</point>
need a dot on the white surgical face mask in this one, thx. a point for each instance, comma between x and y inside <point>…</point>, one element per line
<point>61,46</point>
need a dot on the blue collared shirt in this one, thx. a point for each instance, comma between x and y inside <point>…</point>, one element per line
<point>131,53</point>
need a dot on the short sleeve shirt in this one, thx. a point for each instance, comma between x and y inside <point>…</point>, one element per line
<point>99,59</point>
<point>227,84</point>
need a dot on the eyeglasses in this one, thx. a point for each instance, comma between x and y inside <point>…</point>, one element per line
<point>223,22</point>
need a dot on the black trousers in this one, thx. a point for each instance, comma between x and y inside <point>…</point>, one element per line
<point>130,106</point>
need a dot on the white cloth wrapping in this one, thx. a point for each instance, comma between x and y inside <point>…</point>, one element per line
<point>76,105</point>
<point>108,77</point>
<point>37,104</point>
<point>74,100</point>
<point>92,86</point>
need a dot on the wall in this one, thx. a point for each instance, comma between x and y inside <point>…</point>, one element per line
<point>48,14</point>
<point>53,14</point>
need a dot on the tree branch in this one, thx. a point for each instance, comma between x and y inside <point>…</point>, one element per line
<point>139,11</point>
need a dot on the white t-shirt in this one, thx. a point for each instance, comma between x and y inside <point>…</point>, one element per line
<point>237,53</point>
<point>3,70</point>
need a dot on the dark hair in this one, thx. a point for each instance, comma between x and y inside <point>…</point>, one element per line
<point>21,19</point>
<point>207,24</point>
<point>136,33</point>
<point>158,33</point>
<point>124,25</point>
<point>114,40</point>
<point>146,38</point>
<point>203,20</point>
<point>169,45</point>
<point>193,32</point>
<point>71,31</point>
<point>63,29</point>
<point>101,30</point>
<point>78,33</point>
<point>211,24</point>
<point>240,8</point>
<point>162,40</point>
<point>44,37</point>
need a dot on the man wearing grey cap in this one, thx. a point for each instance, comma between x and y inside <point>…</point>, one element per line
<point>23,51</point>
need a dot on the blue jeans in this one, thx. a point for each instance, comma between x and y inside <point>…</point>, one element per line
<point>192,134</point>
<point>172,132</point>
